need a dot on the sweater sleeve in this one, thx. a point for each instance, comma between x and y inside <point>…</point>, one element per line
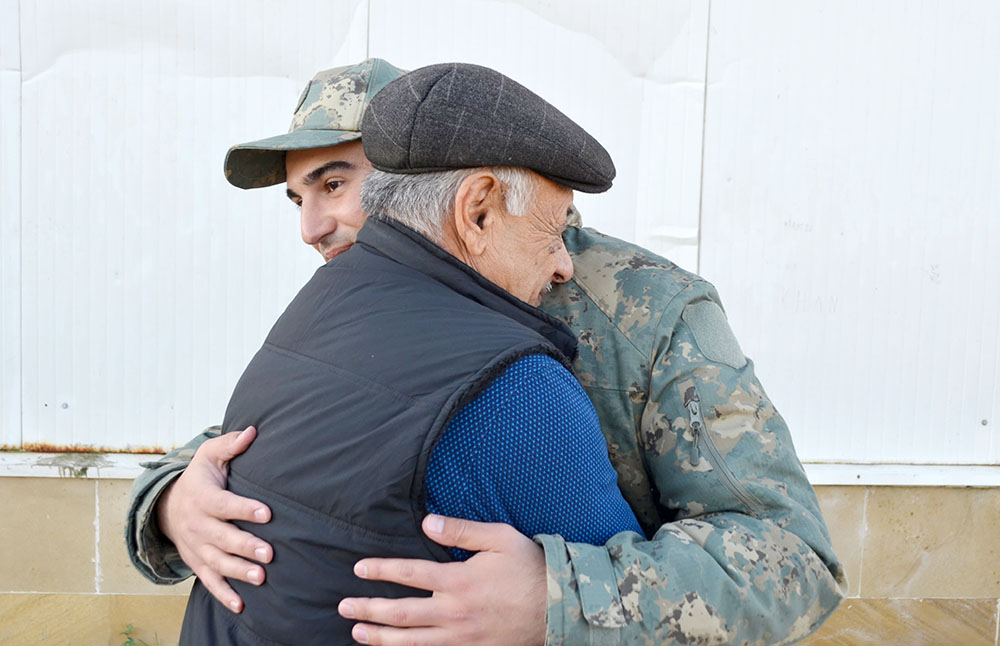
<point>529,452</point>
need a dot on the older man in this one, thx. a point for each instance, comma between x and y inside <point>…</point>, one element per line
<point>412,373</point>
<point>740,552</point>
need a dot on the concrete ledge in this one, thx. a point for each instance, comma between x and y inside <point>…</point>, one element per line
<point>904,475</point>
<point>125,466</point>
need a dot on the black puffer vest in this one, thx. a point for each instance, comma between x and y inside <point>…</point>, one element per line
<point>349,393</point>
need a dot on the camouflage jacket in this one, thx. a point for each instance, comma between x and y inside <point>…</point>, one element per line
<point>739,552</point>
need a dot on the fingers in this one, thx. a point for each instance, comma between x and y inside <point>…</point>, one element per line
<point>225,505</point>
<point>220,564</point>
<point>393,612</point>
<point>387,636</point>
<point>221,590</point>
<point>414,573</point>
<point>229,539</point>
<point>224,448</point>
<point>213,564</point>
<point>496,598</point>
<point>203,483</point>
<point>470,535</point>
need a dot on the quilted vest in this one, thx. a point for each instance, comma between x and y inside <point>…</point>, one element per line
<point>349,393</point>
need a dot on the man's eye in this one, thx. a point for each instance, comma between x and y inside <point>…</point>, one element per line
<point>333,185</point>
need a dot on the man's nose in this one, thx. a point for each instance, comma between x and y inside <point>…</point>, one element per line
<point>315,227</point>
<point>564,267</point>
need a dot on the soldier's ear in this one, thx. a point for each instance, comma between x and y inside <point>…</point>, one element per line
<point>479,208</point>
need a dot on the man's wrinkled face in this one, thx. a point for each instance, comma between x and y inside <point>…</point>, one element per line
<point>325,183</point>
<point>526,254</point>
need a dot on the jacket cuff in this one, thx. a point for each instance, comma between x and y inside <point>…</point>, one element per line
<point>152,553</point>
<point>582,601</point>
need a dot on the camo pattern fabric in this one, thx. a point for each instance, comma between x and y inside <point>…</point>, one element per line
<point>328,113</point>
<point>739,552</point>
<point>151,552</point>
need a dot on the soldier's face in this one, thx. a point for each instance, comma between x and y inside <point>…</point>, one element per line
<point>325,183</point>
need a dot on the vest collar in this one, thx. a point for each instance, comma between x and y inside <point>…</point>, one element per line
<point>407,247</point>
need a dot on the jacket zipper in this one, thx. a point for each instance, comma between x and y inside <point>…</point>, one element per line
<point>701,436</point>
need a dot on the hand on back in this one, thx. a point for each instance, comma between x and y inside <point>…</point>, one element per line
<point>195,513</point>
<point>496,597</point>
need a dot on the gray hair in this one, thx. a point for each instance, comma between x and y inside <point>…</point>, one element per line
<point>424,201</point>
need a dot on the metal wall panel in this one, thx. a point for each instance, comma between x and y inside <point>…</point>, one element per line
<point>631,73</point>
<point>852,219</point>
<point>10,226</point>
<point>837,167</point>
<point>148,281</point>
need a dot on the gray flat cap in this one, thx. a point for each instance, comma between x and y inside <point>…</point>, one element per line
<point>457,115</point>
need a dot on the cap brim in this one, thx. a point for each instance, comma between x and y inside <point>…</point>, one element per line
<point>262,163</point>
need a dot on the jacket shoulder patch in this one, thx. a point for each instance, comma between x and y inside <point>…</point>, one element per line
<point>712,333</point>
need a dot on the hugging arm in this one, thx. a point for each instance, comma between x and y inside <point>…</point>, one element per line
<point>743,556</point>
<point>179,512</point>
<point>747,557</point>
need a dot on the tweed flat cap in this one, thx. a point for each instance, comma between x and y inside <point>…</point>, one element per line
<point>328,113</point>
<point>457,115</point>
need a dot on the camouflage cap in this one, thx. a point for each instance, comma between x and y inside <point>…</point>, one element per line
<point>328,113</point>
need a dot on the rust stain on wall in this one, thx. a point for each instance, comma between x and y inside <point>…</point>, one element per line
<point>42,447</point>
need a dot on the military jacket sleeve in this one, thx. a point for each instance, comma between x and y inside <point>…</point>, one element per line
<point>738,552</point>
<point>151,552</point>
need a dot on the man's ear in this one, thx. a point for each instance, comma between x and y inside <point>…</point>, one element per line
<point>479,206</point>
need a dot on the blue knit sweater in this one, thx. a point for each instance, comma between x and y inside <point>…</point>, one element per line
<point>529,452</point>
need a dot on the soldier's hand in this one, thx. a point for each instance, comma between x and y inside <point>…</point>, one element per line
<point>194,512</point>
<point>496,597</point>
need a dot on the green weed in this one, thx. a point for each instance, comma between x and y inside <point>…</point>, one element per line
<point>130,640</point>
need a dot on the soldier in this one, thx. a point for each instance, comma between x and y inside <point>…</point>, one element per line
<point>738,552</point>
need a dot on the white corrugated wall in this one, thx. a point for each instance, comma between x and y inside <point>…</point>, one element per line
<point>832,168</point>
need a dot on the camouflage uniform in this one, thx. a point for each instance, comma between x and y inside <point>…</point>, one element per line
<point>739,551</point>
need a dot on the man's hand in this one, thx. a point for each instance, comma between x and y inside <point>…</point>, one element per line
<point>194,512</point>
<point>496,597</point>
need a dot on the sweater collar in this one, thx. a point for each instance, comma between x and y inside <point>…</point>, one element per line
<point>407,247</point>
